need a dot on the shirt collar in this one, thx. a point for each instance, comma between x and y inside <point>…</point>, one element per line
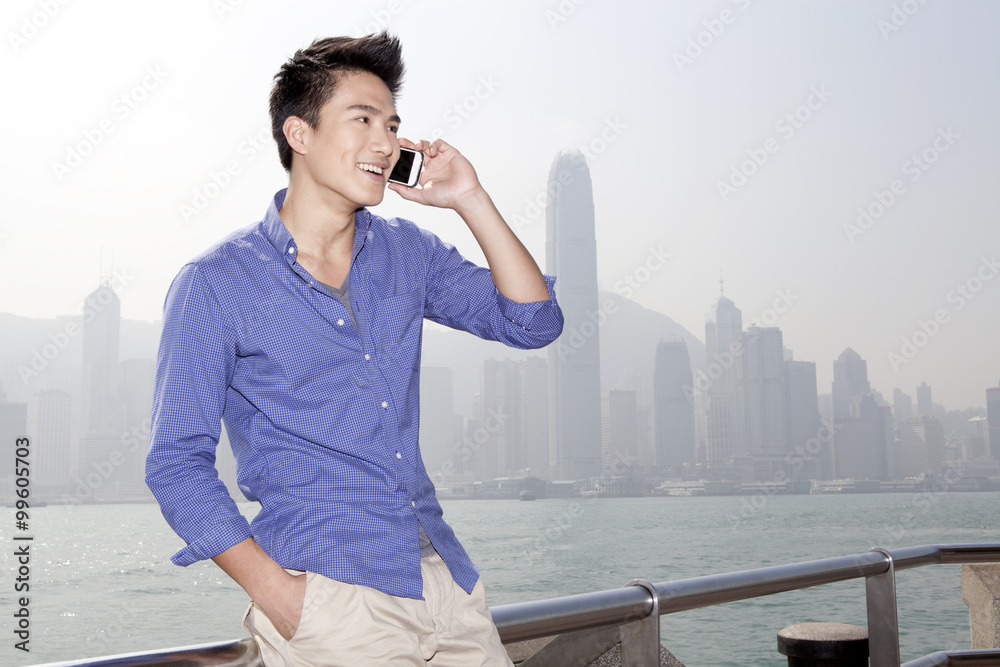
<point>279,236</point>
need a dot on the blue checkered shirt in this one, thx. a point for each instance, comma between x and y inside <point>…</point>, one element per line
<point>322,416</point>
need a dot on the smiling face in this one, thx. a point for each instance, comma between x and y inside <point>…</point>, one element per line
<point>346,159</point>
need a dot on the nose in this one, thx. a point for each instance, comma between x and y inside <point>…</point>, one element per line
<point>382,143</point>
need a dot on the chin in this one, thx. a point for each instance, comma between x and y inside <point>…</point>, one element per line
<point>374,200</point>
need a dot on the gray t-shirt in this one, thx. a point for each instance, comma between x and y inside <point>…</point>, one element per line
<point>343,295</point>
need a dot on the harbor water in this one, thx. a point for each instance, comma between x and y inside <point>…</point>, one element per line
<point>102,582</point>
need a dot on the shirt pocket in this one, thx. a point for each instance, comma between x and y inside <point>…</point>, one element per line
<point>397,325</point>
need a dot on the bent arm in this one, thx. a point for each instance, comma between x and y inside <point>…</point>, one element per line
<point>449,180</point>
<point>279,594</point>
<point>194,367</point>
<point>514,271</point>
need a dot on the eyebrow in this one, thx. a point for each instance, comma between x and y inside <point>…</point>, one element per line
<point>375,111</point>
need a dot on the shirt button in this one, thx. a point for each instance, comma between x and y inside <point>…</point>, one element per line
<point>398,455</point>
<point>291,250</point>
<point>340,323</point>
<point>413,503</point>
<point>368,357</point>
<point>385,404</point>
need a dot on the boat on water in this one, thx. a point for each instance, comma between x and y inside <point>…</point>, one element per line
<point>527,495</point>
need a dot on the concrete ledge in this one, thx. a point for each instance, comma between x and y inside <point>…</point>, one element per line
<point>981,593</point>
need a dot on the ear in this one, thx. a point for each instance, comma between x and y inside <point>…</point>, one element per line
<point>296,132</point>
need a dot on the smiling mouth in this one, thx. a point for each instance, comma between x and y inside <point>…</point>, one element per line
<point>364,166</point>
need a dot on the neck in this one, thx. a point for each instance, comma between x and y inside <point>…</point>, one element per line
<point>321,225</point>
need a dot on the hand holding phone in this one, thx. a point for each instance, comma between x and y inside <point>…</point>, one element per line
<point>407,169</point>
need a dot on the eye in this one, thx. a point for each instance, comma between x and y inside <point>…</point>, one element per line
<point>363,119</point>
<point>394,128</point>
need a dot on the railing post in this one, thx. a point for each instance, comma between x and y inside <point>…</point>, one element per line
<point>641,638</point>
<point>981,593</point>
<point>883,623</point>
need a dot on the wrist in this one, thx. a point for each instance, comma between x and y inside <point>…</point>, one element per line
<point>473,204</point>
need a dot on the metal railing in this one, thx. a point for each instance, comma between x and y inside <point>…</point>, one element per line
<point>634,604</point>
<point>591,623</point>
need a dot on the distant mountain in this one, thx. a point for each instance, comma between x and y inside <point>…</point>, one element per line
<point>629,334</point>
<point>629,338</point>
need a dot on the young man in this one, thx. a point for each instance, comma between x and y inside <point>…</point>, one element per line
<point>302,332</point>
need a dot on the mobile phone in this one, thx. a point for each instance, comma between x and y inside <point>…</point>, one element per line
<point>407,169</point>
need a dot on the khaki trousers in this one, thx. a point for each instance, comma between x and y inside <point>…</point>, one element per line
<point>344,624</point>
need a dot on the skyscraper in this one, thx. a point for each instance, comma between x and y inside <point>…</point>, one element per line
<point>103,469</point>
<point>902,405</point>
<point>618,423</point>
<point>503,450</point>
<point>535,415</point>
<point>850,383</point>
<point>993,419</point>
<point>921,447</point>
<point>723,403</point>
<point>574,359</point>
<point>673,414</point>
<point>766,394</point>
<point>13,425</point>
<point>925,405</point>
<point>437,424</point>
<point>102,409</point>
<point>803,420</point>
<point>51,419</point>
<point>136,392</point>
<point>862,427</point>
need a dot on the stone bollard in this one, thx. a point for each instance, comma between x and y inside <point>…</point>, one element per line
<point>981,593</point>
<point>824,645</point>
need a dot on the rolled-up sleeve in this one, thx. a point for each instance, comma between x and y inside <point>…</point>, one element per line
<point>462,295</point>
<point>194,367</point>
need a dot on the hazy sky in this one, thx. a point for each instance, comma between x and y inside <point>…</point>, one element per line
<point>740,137</point>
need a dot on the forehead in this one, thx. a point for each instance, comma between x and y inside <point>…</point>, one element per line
<point>356,89</point>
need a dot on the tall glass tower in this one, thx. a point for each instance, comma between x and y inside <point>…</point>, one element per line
<point>102,408</point>
<point>574,359</point>
<point>724,403</point>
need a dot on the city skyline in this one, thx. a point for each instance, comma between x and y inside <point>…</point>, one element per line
<point>822,161</point>
<point>507,434</point>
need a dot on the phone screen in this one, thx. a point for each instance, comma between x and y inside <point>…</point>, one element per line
<point>407,169</point>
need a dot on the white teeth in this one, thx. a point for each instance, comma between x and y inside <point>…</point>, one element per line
<point>370,167</point>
